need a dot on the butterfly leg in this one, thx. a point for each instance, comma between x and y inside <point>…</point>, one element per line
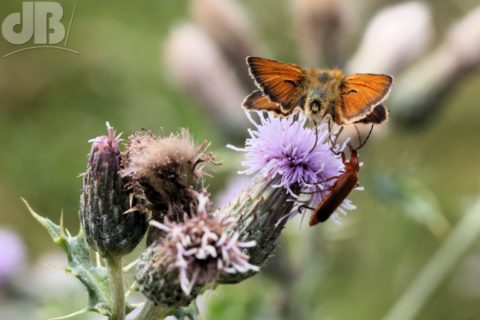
<point>316,137</point>
<point>334,142</point>
<point>360,142</point>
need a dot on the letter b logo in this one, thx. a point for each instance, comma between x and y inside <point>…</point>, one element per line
<point>40,20</point>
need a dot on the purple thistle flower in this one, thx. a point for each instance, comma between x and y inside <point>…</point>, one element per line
<point>198,250</point>
<point>12,255</point>
<point>298,155</point>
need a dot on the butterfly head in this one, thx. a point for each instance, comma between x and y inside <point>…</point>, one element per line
<point>317,104</point>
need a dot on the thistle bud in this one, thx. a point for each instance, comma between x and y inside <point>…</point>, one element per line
<point>228,24</point>
<point>438,74</point>
<point>395,36</point>
<point>191,255</point>
<point>110,225</point>
<point>205,76</point>
<point>261,211</point>
<point>320,30</point>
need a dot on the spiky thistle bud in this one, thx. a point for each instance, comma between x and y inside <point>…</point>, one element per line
<point>190,256</point>
<point>168,171</point>
<point>111,227</point>
<point>261,212</point>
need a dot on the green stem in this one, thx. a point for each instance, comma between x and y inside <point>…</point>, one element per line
<point>452,249</point>
<point>114,265</point>
<point>152,312</point>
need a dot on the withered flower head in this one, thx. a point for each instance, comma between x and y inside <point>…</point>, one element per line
<point>190,256</point>
<point>166,170</point>
<point>156,159</point>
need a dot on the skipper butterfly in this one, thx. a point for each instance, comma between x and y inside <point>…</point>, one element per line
<point>319,93</point>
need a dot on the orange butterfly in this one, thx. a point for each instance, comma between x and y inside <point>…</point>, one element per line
<point>319,93</point>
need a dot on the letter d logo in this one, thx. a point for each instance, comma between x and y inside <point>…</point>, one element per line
<point>15,19</point>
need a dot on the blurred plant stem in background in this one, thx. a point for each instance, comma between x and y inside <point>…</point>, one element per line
<point>453,248</point>
<point>206,76</point>
<point>395,37</point>
<point>320,31</point>
<point>421,89</point>
<point>417,201</point>
<point>229,25</point>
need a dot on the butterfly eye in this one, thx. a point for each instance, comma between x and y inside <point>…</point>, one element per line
<point>315,106</point>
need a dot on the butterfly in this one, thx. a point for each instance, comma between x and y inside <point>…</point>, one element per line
<point>319,93</point>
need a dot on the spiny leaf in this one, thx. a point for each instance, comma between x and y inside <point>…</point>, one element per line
<point>94,278</point>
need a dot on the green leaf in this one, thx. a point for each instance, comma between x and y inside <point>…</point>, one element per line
<point>94,278</point>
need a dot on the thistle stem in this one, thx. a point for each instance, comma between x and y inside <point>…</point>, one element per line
<point>152,312</point>
<point>461,238</point>
<point>114,266</point>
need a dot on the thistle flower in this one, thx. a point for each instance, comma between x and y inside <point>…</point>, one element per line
<point>438,73</point>
<point>206,75</point>
<point>395,37</point>
<point>292,165</point>
<point>12,255</point>
<point>297,155</point>
<point>104,201</point>
<point>228,24</point>
<point>191,255</point>
<point>320,28</point>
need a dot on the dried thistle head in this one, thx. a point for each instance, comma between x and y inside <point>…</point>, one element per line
<point>159,161</point>
<point>168,171</point>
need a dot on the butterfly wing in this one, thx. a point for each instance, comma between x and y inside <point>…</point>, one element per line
<point>282,83</point>
<point>260,102</point>
<point>377,116</point>
<point>360,94</point>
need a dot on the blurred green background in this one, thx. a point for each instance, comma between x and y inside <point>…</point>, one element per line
<point>419,179</point>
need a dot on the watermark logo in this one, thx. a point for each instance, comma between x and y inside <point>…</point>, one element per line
<point>39,23</point>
